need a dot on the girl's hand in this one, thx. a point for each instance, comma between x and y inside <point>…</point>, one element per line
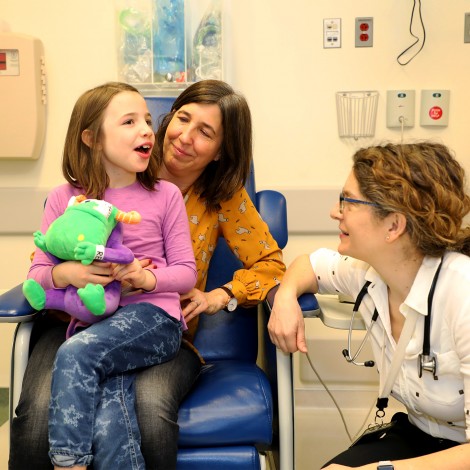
<point>79,275</point>
<point>135,275</point>
<point>127,288</point>
<point>196,302</point>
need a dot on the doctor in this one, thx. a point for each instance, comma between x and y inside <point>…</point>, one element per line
<point>400,217</point>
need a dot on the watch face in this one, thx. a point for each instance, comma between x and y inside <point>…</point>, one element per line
<point>385,466</point>
<point>232,304</point>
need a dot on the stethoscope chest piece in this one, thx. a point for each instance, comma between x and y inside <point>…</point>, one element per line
<point>427,363</point>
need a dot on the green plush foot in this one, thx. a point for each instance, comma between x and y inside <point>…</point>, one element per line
<point>34,293</point>
<point>92,296</point>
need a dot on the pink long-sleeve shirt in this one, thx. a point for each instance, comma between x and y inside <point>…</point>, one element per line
<point>162,235</point>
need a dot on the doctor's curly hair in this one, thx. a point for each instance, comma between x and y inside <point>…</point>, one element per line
<point>424,182</point>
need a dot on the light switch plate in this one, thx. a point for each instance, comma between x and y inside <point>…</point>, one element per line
<point>331,33</point>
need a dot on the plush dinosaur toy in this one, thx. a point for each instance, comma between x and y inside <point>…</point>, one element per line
<point>88,230</point>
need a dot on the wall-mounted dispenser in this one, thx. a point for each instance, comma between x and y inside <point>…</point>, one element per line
<point>22,96</point>
<point>357,113</point>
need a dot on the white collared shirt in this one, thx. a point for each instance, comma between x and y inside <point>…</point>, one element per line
<point>438,407</point>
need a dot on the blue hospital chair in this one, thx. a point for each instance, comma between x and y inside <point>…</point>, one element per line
<point>239,414</point>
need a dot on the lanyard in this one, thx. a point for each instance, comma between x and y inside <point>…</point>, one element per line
<point>405,336</point>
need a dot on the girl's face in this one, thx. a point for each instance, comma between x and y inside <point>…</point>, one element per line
<point>127,138</point>
<point>362,235</point>
<point>192,140</point>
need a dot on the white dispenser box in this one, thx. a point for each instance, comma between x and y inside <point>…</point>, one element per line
<point>435,108</point>
<point>22,96</point>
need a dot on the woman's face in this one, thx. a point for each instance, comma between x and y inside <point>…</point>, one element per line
<point>193,139</point>
<point>362,234</point>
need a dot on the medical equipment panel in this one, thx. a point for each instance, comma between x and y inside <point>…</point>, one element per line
<point>22,96</point>
<point>435,108</point>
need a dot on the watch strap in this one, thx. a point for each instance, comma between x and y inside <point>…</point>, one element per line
<point>226,289</point>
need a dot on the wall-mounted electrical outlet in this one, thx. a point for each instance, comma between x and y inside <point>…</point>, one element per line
<point>364,32</point>
<point>466,32</point>
<point>331,33</point>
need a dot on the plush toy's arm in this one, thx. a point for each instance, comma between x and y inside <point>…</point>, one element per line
<point>114,251</point>
<point>40,242</point>
<point>87,252</point>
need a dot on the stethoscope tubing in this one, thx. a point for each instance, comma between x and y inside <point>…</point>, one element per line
<point>426,361</point>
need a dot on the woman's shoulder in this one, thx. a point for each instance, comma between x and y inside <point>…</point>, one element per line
<point>240,199</point>
<point>457,263</point>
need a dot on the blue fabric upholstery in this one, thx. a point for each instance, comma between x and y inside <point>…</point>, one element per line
<point>219,458</point>
<point>231,405</point>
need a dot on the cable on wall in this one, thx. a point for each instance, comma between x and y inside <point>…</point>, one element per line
<point>416,4</point>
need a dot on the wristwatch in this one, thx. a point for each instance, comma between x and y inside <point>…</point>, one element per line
<point>385,465</point>
<point>232,302</point>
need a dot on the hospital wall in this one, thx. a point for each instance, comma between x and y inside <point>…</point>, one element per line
<point>275,57</point>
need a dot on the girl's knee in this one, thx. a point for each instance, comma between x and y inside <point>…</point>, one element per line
<point>72,351</point>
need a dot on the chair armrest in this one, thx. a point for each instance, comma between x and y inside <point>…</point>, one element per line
<point>308,303</point>
<point>14,308</point>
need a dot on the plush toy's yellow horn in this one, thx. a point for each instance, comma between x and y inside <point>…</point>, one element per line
<point>131,217</point>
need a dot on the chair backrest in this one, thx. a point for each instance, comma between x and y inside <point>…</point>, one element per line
<point>222,336</point>
<point>227,335</point>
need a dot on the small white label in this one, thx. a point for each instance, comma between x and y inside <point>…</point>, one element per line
<point>9,62</point>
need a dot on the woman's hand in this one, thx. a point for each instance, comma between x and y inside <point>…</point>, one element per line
<point>196,302</point>
<point>286,325</point>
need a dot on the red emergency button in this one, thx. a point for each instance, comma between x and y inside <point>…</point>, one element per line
<point>435,113</point>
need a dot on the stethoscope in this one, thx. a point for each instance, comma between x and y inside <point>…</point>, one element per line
<point>426,361</point>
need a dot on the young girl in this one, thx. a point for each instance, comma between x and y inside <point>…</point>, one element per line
<point>107,156</point>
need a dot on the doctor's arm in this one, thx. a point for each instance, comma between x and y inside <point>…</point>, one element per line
<point>286,324</point>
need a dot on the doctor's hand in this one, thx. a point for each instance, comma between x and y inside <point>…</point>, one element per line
<point>286,325</point>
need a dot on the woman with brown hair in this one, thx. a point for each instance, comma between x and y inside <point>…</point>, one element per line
<point>404,252</point>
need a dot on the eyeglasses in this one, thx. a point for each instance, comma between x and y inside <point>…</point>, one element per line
<point>343,199</point>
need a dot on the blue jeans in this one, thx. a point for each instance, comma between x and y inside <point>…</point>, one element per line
<point>95,370</point>
<point>159,391</point>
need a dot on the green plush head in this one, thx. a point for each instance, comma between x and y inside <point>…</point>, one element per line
<point>84,220</point>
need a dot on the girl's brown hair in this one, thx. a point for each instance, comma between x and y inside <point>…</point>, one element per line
<point>82,165</point>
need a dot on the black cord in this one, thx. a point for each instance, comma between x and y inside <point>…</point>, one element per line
<point>411,32</point>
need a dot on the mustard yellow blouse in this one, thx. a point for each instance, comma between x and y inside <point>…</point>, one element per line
<point>247,236</point>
